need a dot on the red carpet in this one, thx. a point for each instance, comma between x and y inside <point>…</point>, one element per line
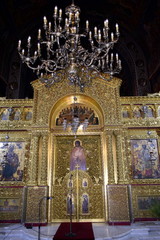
<point>83,231</point>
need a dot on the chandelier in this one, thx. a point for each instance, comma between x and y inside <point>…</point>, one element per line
<point>61,53</point>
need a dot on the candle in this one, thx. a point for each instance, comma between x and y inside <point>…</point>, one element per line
<point>22,51</point>
<point>55,10</point>
<point>106,23</point>
<point>112,37</point>
<point>39,33</point>
<point>87,24</point>
<point>49,26</point>
<point>95,31</point>
<point>117,57</point>
<point>35,53</point>
<point>19,44</point>
<point>117,28</point>
<point>45,20</point>
<point>66,21</point>
<point>60,13</point>
<point>29,40</point>
<point>38,45</point>
<point>90,35</point>
<point>99,36</point>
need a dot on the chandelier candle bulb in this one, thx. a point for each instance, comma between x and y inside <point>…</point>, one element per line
<point>87,24</point>
<point>55,11</point>
<point>90,35</point>
<point>95,31</point>
<point>49,26</point>
<point>117,28</point>
<point>117,57</point>
<point>29,40</point>
<point>112,37</point>
<point>19,44</point>
<point>39,33</point>
<point>99,36</point>
<point>60,13</point>
<point>106,23</point>
<point>23,52</point>
<point>45,20</point>
<point>35,53</point>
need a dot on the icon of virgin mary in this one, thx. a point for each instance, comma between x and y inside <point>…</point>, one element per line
<point>77,157</point>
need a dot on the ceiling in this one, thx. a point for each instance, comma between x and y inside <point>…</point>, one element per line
<point>138,46</point>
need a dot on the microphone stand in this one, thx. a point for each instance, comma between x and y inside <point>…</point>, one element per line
<point>70,234</point>
<point>39,214</point>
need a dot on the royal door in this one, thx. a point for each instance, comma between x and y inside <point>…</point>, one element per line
<point>78,186</point>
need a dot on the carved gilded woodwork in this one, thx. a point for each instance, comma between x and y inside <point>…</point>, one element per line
<point>108,148</point>
<point>36,204</point>
<point>11,203</point>
<point>94,191</point>
<point>143,193</point>
<point>94,176</point>
<point>118,205</point>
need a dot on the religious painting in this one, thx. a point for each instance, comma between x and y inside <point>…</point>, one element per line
<point>85,203</point>
<point>137,112</point>
<point>9,205</point>
<point>70,183</point>
<point>77,110</point>
<point>85,182</point>
<point>146,202</point>
<point>77,157</point>
<point>145,159</point>
<point>12,161</point>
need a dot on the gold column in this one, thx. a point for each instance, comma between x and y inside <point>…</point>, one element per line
<point>120,162</point>
<point>156,110</point>
<point>110,159</point>
<point>43,160</point>
<point>33,162</point>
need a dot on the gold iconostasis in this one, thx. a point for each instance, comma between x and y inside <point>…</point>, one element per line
<point>107,171</point>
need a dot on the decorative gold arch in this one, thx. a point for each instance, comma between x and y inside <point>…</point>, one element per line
<point>68,100</point>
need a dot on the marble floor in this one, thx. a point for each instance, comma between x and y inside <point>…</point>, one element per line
<point>102,231</point>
